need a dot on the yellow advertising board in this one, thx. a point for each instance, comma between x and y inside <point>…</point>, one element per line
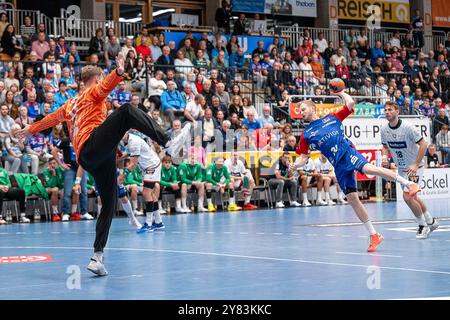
<point>393,11</point>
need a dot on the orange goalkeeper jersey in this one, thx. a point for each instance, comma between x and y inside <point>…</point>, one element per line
<point>83,113</point>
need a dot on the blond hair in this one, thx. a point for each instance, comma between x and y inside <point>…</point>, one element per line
<point>89,72</point>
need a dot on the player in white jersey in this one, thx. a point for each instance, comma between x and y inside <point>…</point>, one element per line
<point>143,156</point>
<point>326,170</point>
<point>241,178</point>
<point>308,176</point>
<point>408,148</point>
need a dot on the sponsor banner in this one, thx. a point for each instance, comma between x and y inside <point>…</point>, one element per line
<point>435,184</point>
<point>322,109</point>
<point>393,11</point>
<point>248,43</point>
<point>370,157</point>
<point>365,133</point>
<point>301,8</point>
<point>440,12</point>
<point>26,259</point>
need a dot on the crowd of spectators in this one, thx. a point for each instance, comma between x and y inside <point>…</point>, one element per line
<point>196,81</point>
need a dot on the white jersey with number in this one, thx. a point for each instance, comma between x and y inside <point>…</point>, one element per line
<point>402,143</point>
<point>148,159</point>
<point>235,170</point>
<point>323,167</point>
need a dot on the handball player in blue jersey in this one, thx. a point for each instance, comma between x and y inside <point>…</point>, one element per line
<point>327,135</point>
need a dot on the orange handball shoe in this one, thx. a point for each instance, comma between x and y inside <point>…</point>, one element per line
<point>249,206</point>
<point>413,189</point>
<point>375,241</point>
<point>75,217</point>
<point>56,218</point>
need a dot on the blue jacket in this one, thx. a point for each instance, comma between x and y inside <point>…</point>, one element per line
<point>236,60</point>
<point>172,100</point>
<point>375,54</point>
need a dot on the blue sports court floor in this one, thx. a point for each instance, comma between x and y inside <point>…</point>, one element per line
<point>305,253</point>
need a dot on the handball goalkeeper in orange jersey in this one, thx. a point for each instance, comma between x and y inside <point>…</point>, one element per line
<point>95,138</point>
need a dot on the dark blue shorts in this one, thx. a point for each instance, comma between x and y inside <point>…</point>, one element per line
<point>345,169</point>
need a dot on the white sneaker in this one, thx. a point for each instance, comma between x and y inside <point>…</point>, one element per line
<point>187,210</point>
<point>320,202</point>
<point>306,203</point>
<point>202,209</point>
<point>135,223</point>
<point>96,266</point>
<point>65,217</point>
<point>342,201</point>
<point>23,218</point>
<point>331,203</point>
<point>422,232</point>
<point>279,204</point>
<point>87,216</point>
<point>179,209</point>
<point>162,211</point>
<point>2,221</point>
<point>295,204</point>
<point>138,213</point>
<point>434,225</point>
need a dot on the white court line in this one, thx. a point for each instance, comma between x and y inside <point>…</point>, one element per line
<point>368,254</point>
<point>277,233</point>
<point>18,232</point>
<point>55,232</point>
<point>362,236</point>
<point>294,234</point>
<point>37,232</point>
<point>260,233</point>
<point>192,232</point>
<point>243,232</point>
<point>176,232</point>
<point>346,236</point>
<point>236,256</point>
<point>228,232</point>
<point>311,235</point>
<point>4,233</point>
<point>330,235</point>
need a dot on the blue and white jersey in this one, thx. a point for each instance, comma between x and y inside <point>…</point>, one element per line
<point>327,135</point>
<point>402,141</point>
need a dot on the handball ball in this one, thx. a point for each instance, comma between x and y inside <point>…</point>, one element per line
<point>337,85</point>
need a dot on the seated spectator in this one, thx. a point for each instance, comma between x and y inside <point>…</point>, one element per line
<point>143,49</point>
<point>236,107</point>
<point>69,79</point>
<point>432,157</point>
<point>61,49</point>
<point>112,49</point>
<point>266,117</point>
<point>33,107</point>
<point>121,95</point>
<point>200,62</point>
<point>11,79</point>
<point>10,43</point>
<point>156,87</point>
<point>97,44</point>
<point>62,95</point>
<point>23,119</point>
<point>248,106</point>
<point>40,46</point>
<point>14,148</point>
<point>51,69</point>
<point>443,143</point>
<point>9,193</point>
<point>190,81</point>
<point>50,100</point>
<point>128,47</point>
<point>251,122</point>
<point>209,125</point>
<point>155,114</point>
<point>216,106</point>
<point>183,65</point>
<point>155,48</point>
<point>207,92</point>
<point>138,76</point>
<point>26,31</point>
<point>190,173</point>
<point>170,76</point>
<point>38,150</point>
<point>194,109</point>
<point>172,102</point>
<point>54,183</point>
<point>284,177</point>
<point>187,94</point>
<point>290,144</point>
<point>188,50</point>
<point>165,61</point>
<point>6,122</point>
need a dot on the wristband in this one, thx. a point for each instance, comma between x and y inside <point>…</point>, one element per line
<point>77,180</point>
